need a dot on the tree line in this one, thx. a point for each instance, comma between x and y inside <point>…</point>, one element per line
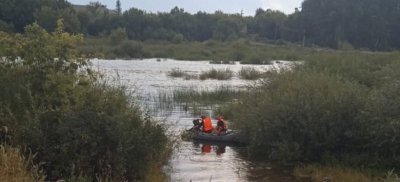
<point>342,24</point>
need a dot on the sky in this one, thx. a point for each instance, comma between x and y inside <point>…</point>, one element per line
<point>192,6</point>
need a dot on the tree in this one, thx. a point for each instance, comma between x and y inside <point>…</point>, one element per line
<point>118,7</point>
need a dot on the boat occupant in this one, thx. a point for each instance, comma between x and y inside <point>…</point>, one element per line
<point>221,126</point>
<point>205,123</point>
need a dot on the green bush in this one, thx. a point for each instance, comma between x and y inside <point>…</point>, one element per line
<point>117,36</point>
<point>333,108</point>
<point>300,116</point>
<point>178,38</point>
<point>52,104</point>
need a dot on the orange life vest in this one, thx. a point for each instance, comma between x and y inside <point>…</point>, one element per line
<point>225,127</point>
<point>207,125</point>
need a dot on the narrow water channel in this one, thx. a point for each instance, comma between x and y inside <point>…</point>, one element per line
<point>193,161</point>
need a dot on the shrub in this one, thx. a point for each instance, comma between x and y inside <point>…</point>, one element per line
<point>53,104</point>
<point>333,108</point>
<point>178,38</point>
<point>300,116</point>
<point>117,36</point>
<point>130,49</point>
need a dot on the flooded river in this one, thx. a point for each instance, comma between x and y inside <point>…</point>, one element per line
<point>194,161</point>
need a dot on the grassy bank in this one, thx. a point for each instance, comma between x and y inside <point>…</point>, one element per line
<point>217,52</point>
<point>80,128</point>
<point>318,173</point>
<point>333,109</point>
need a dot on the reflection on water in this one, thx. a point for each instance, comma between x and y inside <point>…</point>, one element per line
<point>194,161</point>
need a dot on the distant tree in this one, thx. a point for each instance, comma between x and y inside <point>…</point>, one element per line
<point>118,7</point>
<point>4,27</point>
<point>117,36</point>
<point>47,18</point>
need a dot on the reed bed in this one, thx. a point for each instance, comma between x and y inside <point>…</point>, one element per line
<point>221,74</point>
<point>250,73</point>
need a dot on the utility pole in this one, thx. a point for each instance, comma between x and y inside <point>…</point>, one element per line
<point>241,13</point>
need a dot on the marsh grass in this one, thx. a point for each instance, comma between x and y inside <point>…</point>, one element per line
<point>250,73</point>
<point>217,52</point>
<point>221,74</point>
<point>225,110</point>
<point>316,173</point>
<point>177,73</point>
<point>221,94</point>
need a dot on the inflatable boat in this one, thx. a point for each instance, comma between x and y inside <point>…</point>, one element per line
<point>228,137</point>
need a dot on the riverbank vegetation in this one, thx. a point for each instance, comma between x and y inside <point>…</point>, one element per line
<point>77,124</point>
<point>332,109</point>
<point>218,52</point>
<point>180,35</point>
<point>316,173</point>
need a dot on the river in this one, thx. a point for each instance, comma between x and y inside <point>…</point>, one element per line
<point>194,161</point>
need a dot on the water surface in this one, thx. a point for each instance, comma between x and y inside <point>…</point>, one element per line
<point>196,161</point>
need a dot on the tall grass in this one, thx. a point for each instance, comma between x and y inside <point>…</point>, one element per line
<point>222,74</point>
<point>221,94</point>
<point>317,173</point>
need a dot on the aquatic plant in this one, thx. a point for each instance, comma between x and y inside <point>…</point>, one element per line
<point>249,73</point>
<point>176,72</point>
<point>225,74</point>
<point>220,94</point>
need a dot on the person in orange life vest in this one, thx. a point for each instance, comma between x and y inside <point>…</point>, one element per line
<point>207,125</point>
<point>221,126</point>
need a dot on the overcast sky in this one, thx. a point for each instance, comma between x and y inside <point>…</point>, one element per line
<point>193,6</point>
